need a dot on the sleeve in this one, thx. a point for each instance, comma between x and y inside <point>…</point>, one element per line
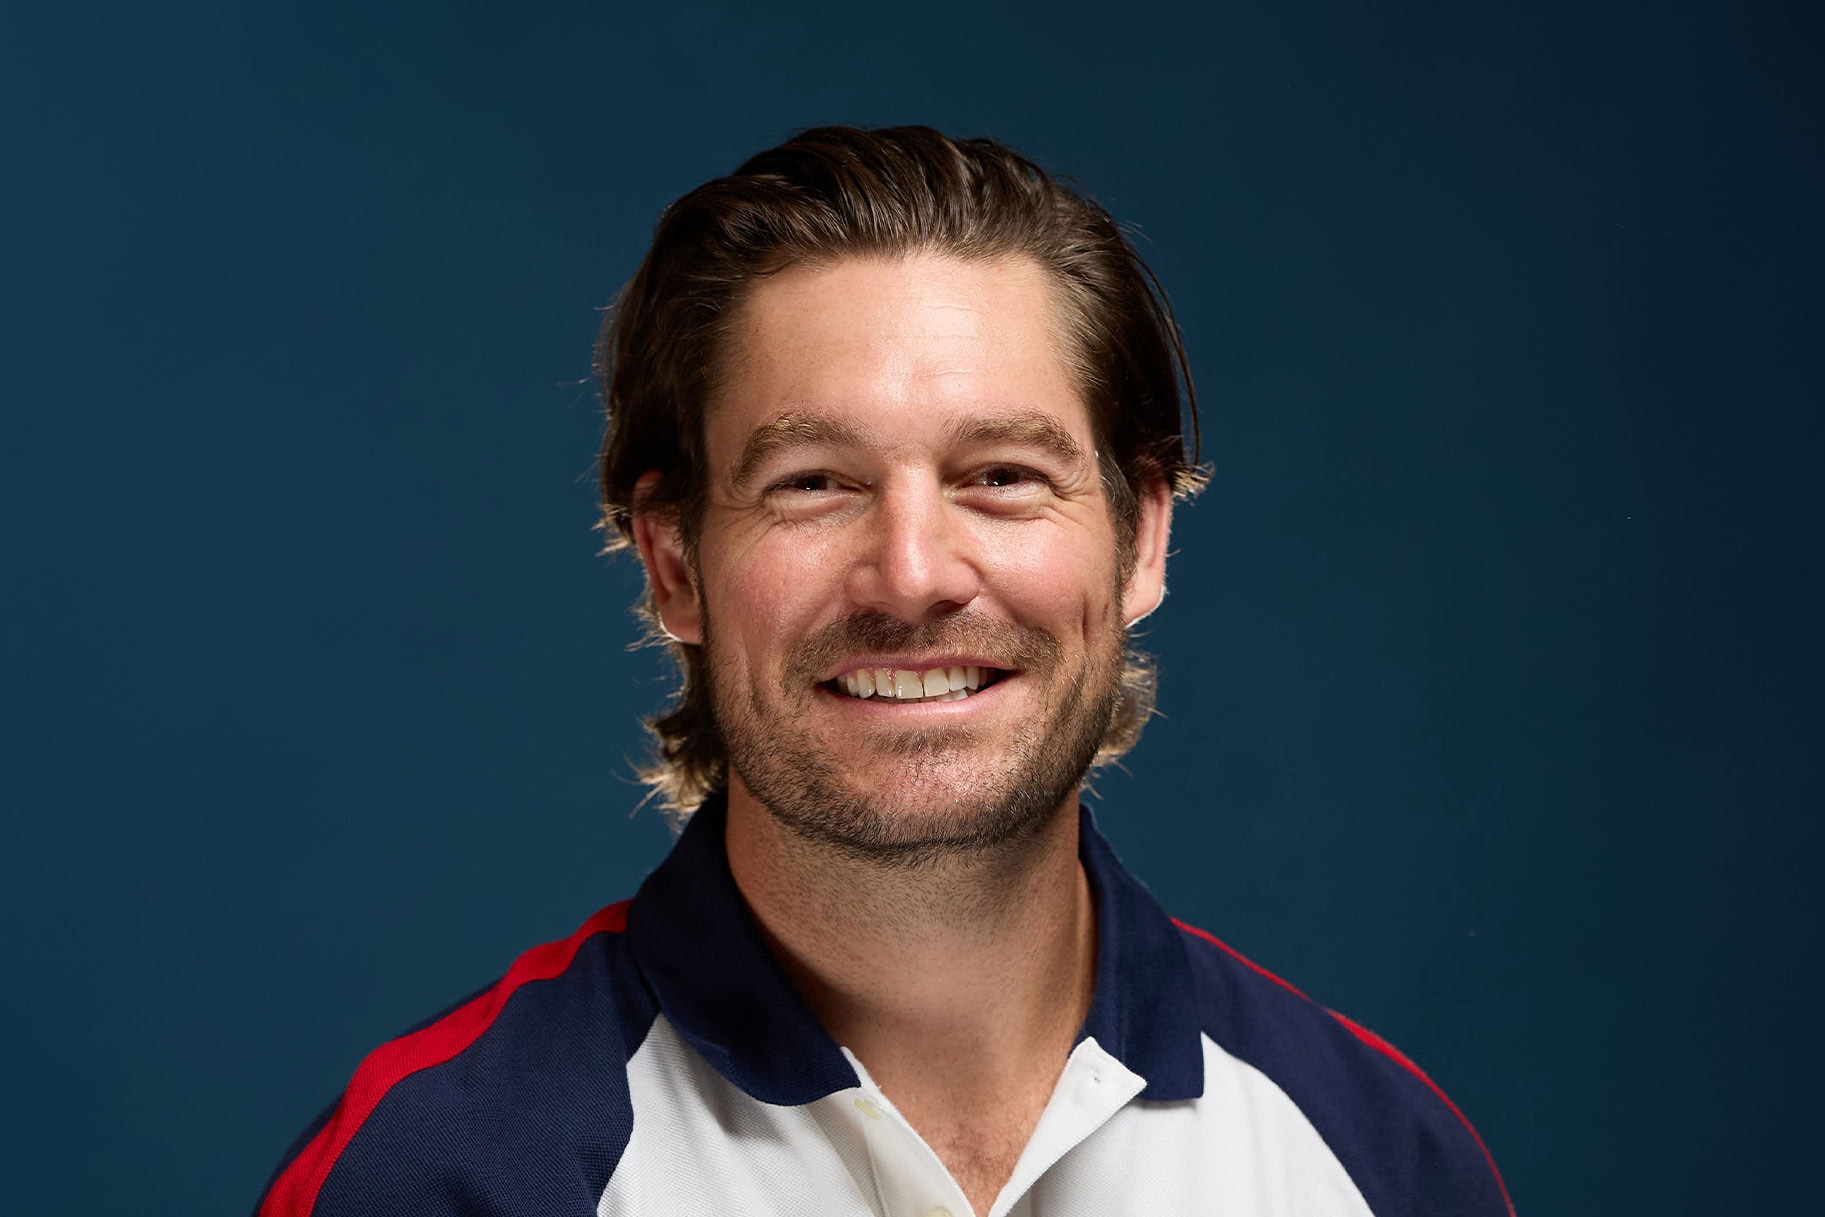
<point>1451,1173</point>
<point>514,1101</point>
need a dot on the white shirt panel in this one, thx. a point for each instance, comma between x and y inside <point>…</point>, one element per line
<point>1242,1150</point>
<point>701,1146</point>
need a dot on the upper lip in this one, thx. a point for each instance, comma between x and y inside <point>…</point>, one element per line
<point>907,664</point>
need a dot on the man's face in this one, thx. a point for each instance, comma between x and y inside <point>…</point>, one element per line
<point>903,483</point>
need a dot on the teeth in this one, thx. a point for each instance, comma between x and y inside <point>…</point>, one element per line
<point>900,684</point>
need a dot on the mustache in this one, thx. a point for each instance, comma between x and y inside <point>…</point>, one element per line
<point>1024,647</point>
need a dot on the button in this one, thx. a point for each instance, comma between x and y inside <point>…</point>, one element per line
<point>866,1107</point>
<point>940,1211</point>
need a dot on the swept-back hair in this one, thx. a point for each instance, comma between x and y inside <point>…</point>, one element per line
<point>838,192</point>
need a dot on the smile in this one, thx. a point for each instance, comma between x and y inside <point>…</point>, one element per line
<point>905,685</point>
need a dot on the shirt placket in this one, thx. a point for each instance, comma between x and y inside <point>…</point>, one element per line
<point>912,1181</point>
<point>1092,1088</point>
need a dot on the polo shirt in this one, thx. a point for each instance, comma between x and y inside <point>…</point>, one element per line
<point>657,1062</point>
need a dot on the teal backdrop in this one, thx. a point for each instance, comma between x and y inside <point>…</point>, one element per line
<point>1492,661</point>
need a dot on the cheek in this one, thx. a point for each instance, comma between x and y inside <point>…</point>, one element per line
<point>763,598</point>
<point>1061,578</point>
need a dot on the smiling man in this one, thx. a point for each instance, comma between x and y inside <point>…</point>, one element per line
<point>895,426</point>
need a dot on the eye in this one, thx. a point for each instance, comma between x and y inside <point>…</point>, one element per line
<point>1006,475</point>
<point>806,483</point>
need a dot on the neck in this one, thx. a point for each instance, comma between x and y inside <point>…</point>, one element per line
<point>976,969</point>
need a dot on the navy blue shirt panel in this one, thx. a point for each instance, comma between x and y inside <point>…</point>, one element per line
<point>530,1118</point>
<point>1406,1150</point>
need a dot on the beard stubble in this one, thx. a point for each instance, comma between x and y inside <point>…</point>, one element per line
<point>1016,788</point>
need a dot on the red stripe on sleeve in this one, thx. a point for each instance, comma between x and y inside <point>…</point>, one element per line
<point>1372,1040</point>
<point>294,1192</point>
<point>1400,1058</point>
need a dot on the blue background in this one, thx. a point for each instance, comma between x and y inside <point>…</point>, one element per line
<point>1492,663</point>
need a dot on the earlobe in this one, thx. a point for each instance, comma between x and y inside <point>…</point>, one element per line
<point>1147,585</point>
<point>668,571</point>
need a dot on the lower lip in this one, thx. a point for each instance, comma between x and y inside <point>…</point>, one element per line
<point>886,706</point>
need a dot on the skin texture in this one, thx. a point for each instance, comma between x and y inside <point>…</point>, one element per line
<point>903,474</point>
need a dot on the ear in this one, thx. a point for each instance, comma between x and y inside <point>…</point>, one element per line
<point>1147,585</point>
<point>668,572</point>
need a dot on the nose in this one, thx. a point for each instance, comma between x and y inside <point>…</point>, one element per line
<point>916,562</point>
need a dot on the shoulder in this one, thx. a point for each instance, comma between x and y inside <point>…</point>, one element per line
<point>1404,1143</point>
<point>519,1089</point>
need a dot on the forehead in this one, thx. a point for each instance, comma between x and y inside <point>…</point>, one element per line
<point>897,343</point>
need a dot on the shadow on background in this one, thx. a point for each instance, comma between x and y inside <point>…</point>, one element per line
<point>1490,712</point>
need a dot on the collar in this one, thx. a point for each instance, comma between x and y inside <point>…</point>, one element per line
<point>716,982</point>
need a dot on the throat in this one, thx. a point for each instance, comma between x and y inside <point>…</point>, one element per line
<point>957,972</point>
<point>978,1138</point>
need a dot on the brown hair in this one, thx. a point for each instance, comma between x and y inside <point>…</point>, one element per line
<point>835,192</point>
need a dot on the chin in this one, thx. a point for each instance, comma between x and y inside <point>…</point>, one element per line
<point>939,815</point>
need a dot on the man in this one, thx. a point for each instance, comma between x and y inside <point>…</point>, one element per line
<point>894,425</point>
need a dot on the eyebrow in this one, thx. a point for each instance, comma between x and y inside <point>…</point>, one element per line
<point>1029,427</point>
<point>790,431</point>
